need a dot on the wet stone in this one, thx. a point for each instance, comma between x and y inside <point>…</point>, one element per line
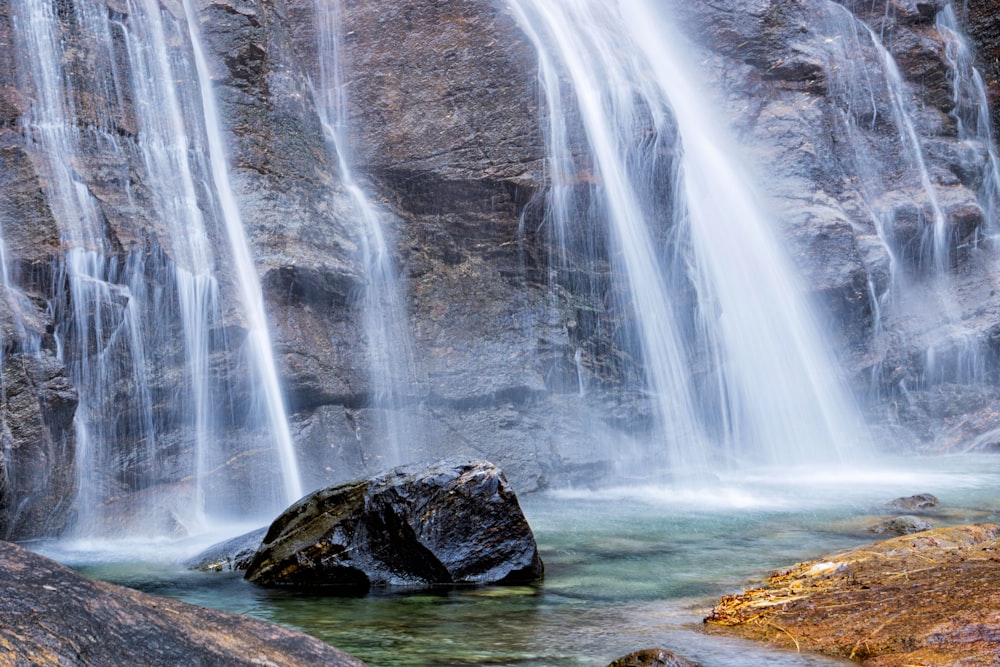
<point>652,657</point>
<point>446,523</point>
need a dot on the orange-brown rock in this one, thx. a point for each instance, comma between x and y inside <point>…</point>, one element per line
<point>931,598</point>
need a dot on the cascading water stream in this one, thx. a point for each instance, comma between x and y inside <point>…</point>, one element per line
<point>770,394</point>
<point>937,247</point>
<point>389,348</point>
<point>972,110</point>
<point>258,343</point>
<point>767,337</point>
<point>586,54</point>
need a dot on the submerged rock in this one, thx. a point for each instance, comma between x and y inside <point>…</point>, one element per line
<point>900,525</point>
<point>445,523</point>
<point>920,501</point>
<point>925,599</point>
<point>233,555</point>
<point>652,657</point>
<point>54,616</point>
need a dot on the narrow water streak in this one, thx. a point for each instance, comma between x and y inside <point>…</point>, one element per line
<point>387,331</point>
<point>258,335</point>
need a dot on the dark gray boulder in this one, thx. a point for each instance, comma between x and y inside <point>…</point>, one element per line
<point>451,522</point>
<point>54,616</point>
<point>652,657</point>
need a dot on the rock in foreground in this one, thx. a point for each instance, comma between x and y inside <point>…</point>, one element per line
<point>652,657</point>
<point>924,599</point>
<point>445,523</point>
<point>54,616</point>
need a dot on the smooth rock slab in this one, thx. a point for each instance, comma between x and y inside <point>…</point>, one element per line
<point>50,615</point>
<point>452,522</point>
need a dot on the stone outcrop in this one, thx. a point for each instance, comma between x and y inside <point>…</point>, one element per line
<point>920,502</point>
<point>447,523</point>
<point>905,524</point>
<point>36,459</point>
<point>923,599</point>
<point>54,616</point>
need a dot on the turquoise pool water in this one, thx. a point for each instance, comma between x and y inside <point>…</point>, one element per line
<point>627,567</point>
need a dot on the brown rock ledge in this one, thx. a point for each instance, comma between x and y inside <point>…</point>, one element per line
<point>931,598</point>
<point>50,615</point>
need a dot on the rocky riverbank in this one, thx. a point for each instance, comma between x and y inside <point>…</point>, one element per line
<point>924,599</point>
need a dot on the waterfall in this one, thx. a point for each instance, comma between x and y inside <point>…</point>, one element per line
<point>138,316</point>
<point>742,371</point>
<point>387,333</point>
<point>164,141</point>
<point>897,187</point>
<point>258,343</point>
<point>95,315</point>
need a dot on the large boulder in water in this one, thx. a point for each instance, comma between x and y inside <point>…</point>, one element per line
<point>444,523</point>
<point>54,616</point>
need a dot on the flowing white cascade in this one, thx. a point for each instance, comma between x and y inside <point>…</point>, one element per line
<point>964,360</point>
<point>117,321</point>
<point>868,94</point>
<point>387,331</point>
<point>165,142</point>
<point>260,353</point>
<point>89,327</point>
<point>770,393</point>
<point>937,246</point>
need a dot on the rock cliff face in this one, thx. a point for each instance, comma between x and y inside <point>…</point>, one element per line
<point>445,133</point>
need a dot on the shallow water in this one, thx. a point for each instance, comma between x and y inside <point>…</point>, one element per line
<point>626,568</point>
